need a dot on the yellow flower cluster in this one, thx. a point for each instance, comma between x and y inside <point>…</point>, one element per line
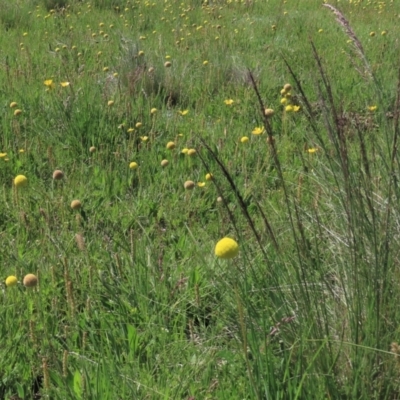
<point>287,100</point>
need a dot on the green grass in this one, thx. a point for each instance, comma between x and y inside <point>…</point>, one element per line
<point>131,301</point>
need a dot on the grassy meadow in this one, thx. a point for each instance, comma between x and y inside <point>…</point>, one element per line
<point>135,135</point>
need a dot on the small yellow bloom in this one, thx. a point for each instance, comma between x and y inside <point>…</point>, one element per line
<point>144,138</point>
<point>283,101</point>
<point>209,177</point>
<point>170,145</point>
<point>372,108</point>
<point>227,248</point>
<point>64,84</point>
<point>289,108</point>
<point>167,64</point>
<point>185,151</point>
<point>106,69</point>
<point>17,112</point>
<point>312,150</point>
<point>138,125</point>
<point>3,155</point>
<point>49,83</point>
<point>191,152</point>
<point>20,181</point>
<point>20,151</point>
<point>320,30</point>
<point>229,102</point>
<point>153,110</point>
<point>13,104</point>
<point>11,281</point>
<point>372,34</point>
<point>205,62</point>
<point>164,163</point>
<point>141,53</point>
<point>384,33</point>
<point>133,165</point>
<point>184,112</point>
<point>258,131</point>
<point>244,139</point>
<point>110,103</point>
<point>201,184</point>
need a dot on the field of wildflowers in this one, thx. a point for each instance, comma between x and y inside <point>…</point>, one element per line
<point>199,199</point>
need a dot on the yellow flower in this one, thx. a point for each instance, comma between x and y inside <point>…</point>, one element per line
<point>138,124</point>
<point>11,281</point>
<point>184,112</point>
<point>205,62</point>
<point>144,138</point>
<point>20,181</point>
<point>296,108</point>
<point>170,145</point>
<point>153,110</point>
<point>3,155</point>
<point>383,33</point>
<point>229,102</point>
<point>191,152</point>
<point>167,64</point>
<point>185,151</point>
<point>76,204</point>
<point>17,112</point>
<point>283,101</point>
<point>164,163</point>
<point>64,84</point>
<point>372,108</point>
<point>21,151</point>
<point>130,130</point>
<point>320,30</point>
<point>244,139</point>
<point>110,103</point>
<point>257,131</point>
<point>226,248</point>
<point>49,84</point>
<point>312,150</point>
<point>141,53</point>
<point>133,165</point>
<point>201,184</point>
<point>372,34</point>
<point>289,108</point>
<point>13,104</point>
<point>209,177</point>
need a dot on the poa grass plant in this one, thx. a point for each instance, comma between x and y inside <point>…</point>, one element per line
<point>147,132</point>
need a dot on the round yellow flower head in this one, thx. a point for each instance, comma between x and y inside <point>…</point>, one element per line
<point>11,281</point>
<point>244,139</point>
<point>30,280</point>
<point>133,165</point>
<point>209,177</point>
<point>269,112</point>
<point>76,204</point>
<point>226,248</point>
<point>191,152</point>
<point>153,110</point>
<point>170,145</point>
<point>167,64</point>
<point>20,181</point>
<point>92,149</point>
<point>287,87</point>
<point>185,151</point>
<point>13,104</point>
<point>164,163</point>
<point>110,103</point>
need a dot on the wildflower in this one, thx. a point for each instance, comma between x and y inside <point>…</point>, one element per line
<point>189,185</point>
<point>296,108</point>
<point>372,34</point>
<point>170,145</point>
<point>58,174</point>
<point>257,131</point>
<point>167,64</point>
<point>191,152</point>
<point>283,101</point>
<point>287,87</point>
<point>229,102</point>
<point>312,150</point>
<point>289,108</point>
<point>76,204</point>
<point>49,84</point>
<point>92,149</point>
<point>201,184</point>
<point>141,53</point>
<point>144,138</point>
<point>13,104</point>
<point>130,130</point>
<point>205,62</point>
<point>269,112</point>
<point>3,155</point>
<point>184,151</point>
<point>11,281</point>
<point>20,181</point>
<point>64,84</point>
<point>138,125</point>
<point>226,248</point>
<point>384,33</point>
<point>184,112</point>
<point>106,69</point>
<point>20,151</point>
<point>244,139</point>
<point>372,108</point>
<point>110,103</point>
<point>209,177</point>
<point>17,112</point>
<point>320,30</point>
<point>133,165</point>
<point>153,110</point>
<point>30,280</point>
<point>164,163</point>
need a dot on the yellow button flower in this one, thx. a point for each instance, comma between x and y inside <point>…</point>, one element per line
<point>20,181</point>
<point>226,248</point>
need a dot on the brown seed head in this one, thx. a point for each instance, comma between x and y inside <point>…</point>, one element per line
<point>189,185</point>
<point>30,280</point>
<point>76,204</point>
<point>58,174</point>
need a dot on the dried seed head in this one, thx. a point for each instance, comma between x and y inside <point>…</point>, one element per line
<point>30,280</point>
<point>58,174</point>
<point>76,204</point>
<point>189,185</point>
